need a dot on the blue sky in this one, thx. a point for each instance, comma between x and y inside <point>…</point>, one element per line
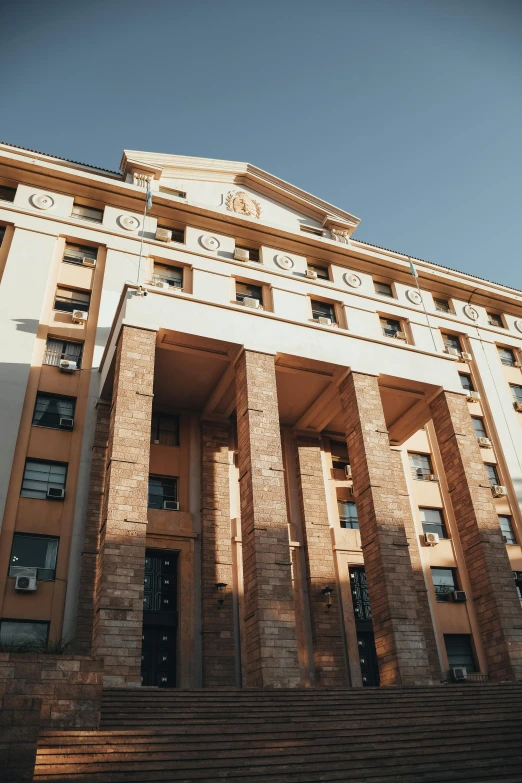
<point>407,113</point>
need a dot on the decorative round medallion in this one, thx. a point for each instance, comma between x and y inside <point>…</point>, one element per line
<point>42,200</point>
<point>414,296</point>
<point>353,280</point>
<point>471,312</point>
<point>518,325</point>
<point>285,262</point>
<point>209,242</point>
<point>129,222</point>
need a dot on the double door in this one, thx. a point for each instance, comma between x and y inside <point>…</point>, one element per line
<point>160,619</point>
<point>363,626</point>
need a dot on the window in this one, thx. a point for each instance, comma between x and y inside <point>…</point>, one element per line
<point>516,391</point>
<point>466,382</point>
<point>495,319</point>
<point>253,252</point>
<point>323,310</point>
<point>2,234</point>
<point>420,466</point>
<point>29,551</point>
<point>442,305</point>
<point>246,290</point>
<point>74,254</point>
<point>460,651</point>
<point>433,521</point>
<point>506,526</point>
<point>40,476</point>
<point>173,192</point>
<point>56,350</point>
<point>492,474</point>
<point>162,488</point>
<point>348,514</point>
<point>517,575</point>
<point>322,272</point>
<point>164,430</point>
<point>390,327</point>
<point>7,194</point>
<point>173,275</point>
<point>444,582</point>
<point>384,289</point>
<point>67,300</point>
<point>507,357</point>
<point>23,632</point>
<point>478,426</point>
<point>339,452</point>
<point>50,409</point>
<point>87,213</point>
<point>178,234</point>
<point>312,230</point>
<point>451,341</point>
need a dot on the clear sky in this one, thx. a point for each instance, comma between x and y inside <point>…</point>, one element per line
<point>407,113</point>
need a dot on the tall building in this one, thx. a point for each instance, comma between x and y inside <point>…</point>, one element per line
<point>242,447</point>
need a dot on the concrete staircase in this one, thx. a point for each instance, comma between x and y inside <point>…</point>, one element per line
<point>412,735</point>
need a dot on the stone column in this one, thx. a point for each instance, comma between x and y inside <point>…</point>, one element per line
<point>119,605</point>
<point>271,646</point>
<point>487,563</point>
<point>217,624</point>
<point>327,634</point>
<point>383,506</point>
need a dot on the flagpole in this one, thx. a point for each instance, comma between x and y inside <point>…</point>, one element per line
<point>416,278</point>
<point>148,198</point>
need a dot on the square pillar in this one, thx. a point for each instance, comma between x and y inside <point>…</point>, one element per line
<point>271,645</point>
<point>401,622</point>
<point>119,605</point>
<point>217,623</point>
<point>327,633</point>
<point>489,571</point>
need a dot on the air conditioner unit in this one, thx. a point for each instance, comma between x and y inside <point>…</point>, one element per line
<point>401,336</point>
<point>452,351</point>
<point>484,443</point>
<point>241,255</point>
<point>161,284</point>
<point>324,321</point>
<point>66,423</point>
<point>249,301</point>
<point>458,596</point>
<point>459,673</point>
<point>433,477</point>
<point>517,364</point>
<point>163,235</point>
<point>518,406</point>
<point>66,365</point>
<point>466,357</point>
<point>311,274</point>
<point>26,580</point>
<point>79,316</point>
<point>171,505</point>
<point>498,491</point>
<point>473,396</point>
<point>431,539</point>
<point>55,493</point>
<point>156,442</point>
<point>88,261</point>
<point>348,471</point>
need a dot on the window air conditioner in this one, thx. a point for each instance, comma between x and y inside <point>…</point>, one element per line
<point>79,316</point>
<point>348,471</point>
<point>163,235</point>
<point>171,505</point>
<point>66,365</point>
<point>518,406</point>
<point>324,321</point>
<point>473,396</point>
<point>241,255</point>
<point>432,477</point>
<point>465,356</point>
<point>311,274</point>
<point>55,493</point>
<point>401,336</point>
<point>26,580</point>
<point>484,443</point>
<point>498,491</point>
<point>459,673</point>
<point>88,261</point>
<point>452,351</point>
<point>66,423</point>
<point>249,301</point>
<point>458,596</point>
<point>431,539</point>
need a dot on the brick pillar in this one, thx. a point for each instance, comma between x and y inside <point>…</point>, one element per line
<point>327,634</point>
<point>86,593</point>
<point>271,645</point>
<point>383,506</point>
<point>217,624</point>
<point>489,570</point>
<point>119,604</point>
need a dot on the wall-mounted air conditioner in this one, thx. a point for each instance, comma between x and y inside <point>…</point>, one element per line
<point>79,316</point>
<point>431,539</point>
<point>452,351</point>
<point>88,261</point>
<point>163,235</point>
<point>66,365</point>
<point>473,396</point>
<point>498,491</point>
<point>240,254</point>
<point>484,443</point>
<point>249,301</point>
<point>171,505</point>
<point>458,596</point>
<point>25,581</point>
<point>161,284</point>
<point>466,357</point>
<point>518,406</point>
<point>311,274</point>
<point>401,336</point>
<point>348,471</point>
<point>324,321</point>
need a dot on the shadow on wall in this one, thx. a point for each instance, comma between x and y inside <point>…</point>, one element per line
<point>29,325</point>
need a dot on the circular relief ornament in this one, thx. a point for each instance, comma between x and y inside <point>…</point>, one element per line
<point>414,296</point>
<point>518,325</point>
<point>129,222</point>
<point>42,200</point>
<point>209,242</point>
<point>354,281</point>
<point>285,262</point>
<point>471,312</point>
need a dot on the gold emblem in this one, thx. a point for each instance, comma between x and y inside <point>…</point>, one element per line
<point>243,204</point>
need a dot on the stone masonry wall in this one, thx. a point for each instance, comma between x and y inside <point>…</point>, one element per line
<point>271,646</point>
<point>119,592</point>
<point>487,563</point>
<point>382,506</point>
<point>327,633</point>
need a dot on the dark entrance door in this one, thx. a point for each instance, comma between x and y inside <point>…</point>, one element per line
<point>160,619</point>
<point>363,626</point>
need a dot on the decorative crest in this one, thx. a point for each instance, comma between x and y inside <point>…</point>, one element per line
<point>243,204</point>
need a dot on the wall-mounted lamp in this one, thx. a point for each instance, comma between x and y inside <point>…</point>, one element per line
<point>328,593</point>
<point>220,587</point>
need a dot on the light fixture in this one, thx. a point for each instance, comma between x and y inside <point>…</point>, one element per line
<point>220,586</point>
<point>327,591</point>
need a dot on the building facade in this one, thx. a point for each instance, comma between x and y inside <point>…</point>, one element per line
<point>241,447</point>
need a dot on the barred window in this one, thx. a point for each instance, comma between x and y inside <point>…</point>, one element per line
<point>173,275</point>
<point>384,289</point>
<point>442,305</point>
<point>444,582</point>
<point>162,488</point>
<point>87,213</point>
<point>247,290</point>
<point>506,526</point>
<point>420,466</point>
<point>433,521</point>
<point>506,355</point>
<point>74,254</point>
<point>164,430</point>
<point>323,310</point>
<point>56,350</point>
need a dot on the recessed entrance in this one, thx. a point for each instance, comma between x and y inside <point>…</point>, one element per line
<point>363,627</point>
<point>160,619</point>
